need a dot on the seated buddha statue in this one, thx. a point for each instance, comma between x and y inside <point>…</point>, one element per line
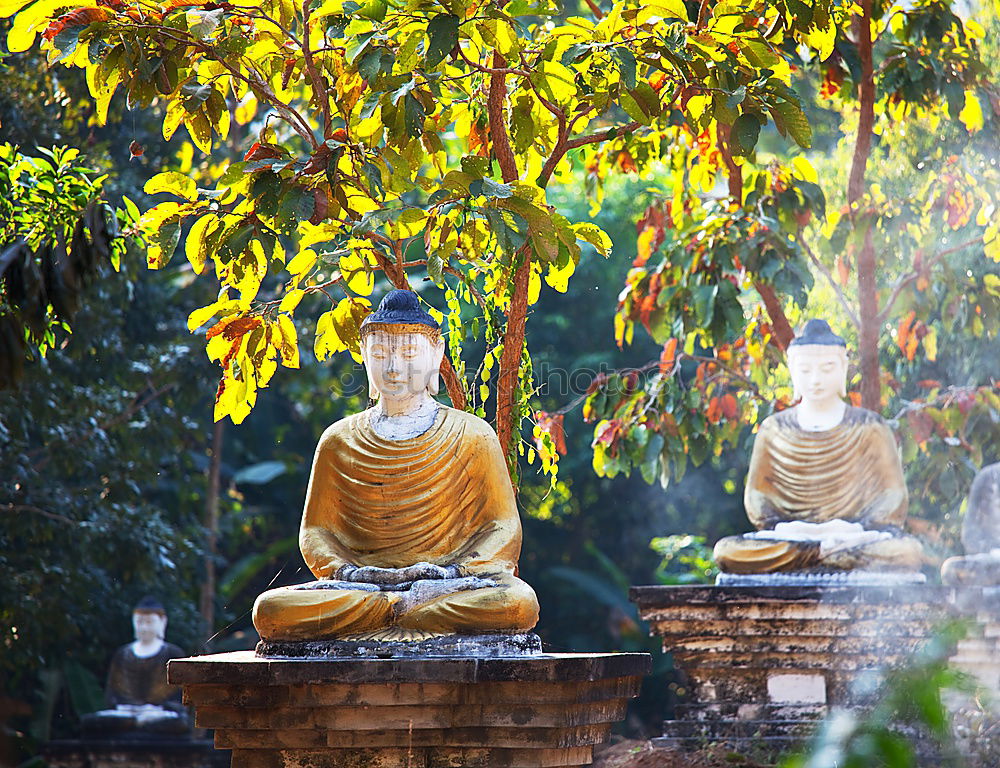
<point>980,534</point>
<point>410,524</point>
<point>141,700</point>
<point>825,488</point>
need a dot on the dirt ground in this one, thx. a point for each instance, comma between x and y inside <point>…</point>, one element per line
<point>640,754</point>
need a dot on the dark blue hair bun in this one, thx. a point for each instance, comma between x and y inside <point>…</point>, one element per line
<point>400,307</point>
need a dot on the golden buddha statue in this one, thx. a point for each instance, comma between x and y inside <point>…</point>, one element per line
<point>980,534</point>
<point>825,488</point>
<point>410,524</point>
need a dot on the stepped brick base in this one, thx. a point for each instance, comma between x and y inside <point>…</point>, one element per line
<point>761,664</point>
<point>511,712</point>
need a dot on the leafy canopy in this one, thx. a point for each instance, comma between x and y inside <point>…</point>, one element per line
<point>413,139</point>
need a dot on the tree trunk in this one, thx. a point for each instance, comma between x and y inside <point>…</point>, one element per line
<point>211,523</point>
<point>517,312</point>
<point>871,396</point>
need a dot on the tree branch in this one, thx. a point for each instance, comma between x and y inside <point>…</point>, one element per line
<point>904,281</point>
<point>317,81</point>
<point>833,283</point>
<point>15,508</point>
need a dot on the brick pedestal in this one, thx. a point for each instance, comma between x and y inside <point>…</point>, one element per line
<point>761,664</point>
<point>516,712</point>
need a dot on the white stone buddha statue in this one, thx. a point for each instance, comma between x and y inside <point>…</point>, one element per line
<point>825,488</point>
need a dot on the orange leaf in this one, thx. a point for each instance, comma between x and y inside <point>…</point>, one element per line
<point>625,162</point>
<point>714,412</point>
<point>855,399</point>
<point>668,356</point>
<point>903,332</point>
<point>843,270</point>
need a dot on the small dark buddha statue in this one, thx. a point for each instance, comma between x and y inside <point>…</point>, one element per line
<point>140,699</point>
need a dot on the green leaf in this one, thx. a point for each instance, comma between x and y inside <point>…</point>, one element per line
<point>260,474</point>
<point>206,22</point>
<point>443,33</point>
<point>414,117</point>
<point>745,132</point>
<point>626,67</point>
<point>703,297</point>
<point>374,176</point>
<point>795,122</point>
<point>374,10</point>
<point>490,188</point>
<point>435,267</point>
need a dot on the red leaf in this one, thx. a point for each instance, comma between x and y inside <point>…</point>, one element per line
<point>730,408</point>
<point>81,17</point>
<point>320,208</point>
<point>552,423</point>
<point>135,149</point>
<point>262,152</point>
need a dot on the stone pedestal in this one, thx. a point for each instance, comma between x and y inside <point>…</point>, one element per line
<point>132,753</point>
<point>524,712</point>
<point>761,664</point>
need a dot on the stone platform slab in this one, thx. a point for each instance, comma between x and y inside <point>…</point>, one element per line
<point>759,665</point>
<point>455,712</point>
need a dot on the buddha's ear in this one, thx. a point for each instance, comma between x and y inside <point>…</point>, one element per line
<point>437,352</point>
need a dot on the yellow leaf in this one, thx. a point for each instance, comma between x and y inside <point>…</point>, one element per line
<point>291,300</point>
<point>201,316</point>
<point>173,182</point>
<point>557,81</point>
<point>102,88</point>
<point>972,113</point>
<point>246,111</point>
<point>930,344</point>
<point>200,130</point>
<point>289,342</point>
<point>327,340</point>
<point>347,317</point>
<point>301,262</point>
<point>805,169</point>
<point>355,266</point>
<point>30,21</point>
<point>662,9</point>
<point>194,246</point>
<point>558,278</point>
<point>991,241</point>
<point>172,120</point>
<point>534,283</point>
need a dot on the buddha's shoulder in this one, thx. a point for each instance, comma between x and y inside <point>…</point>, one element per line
<point>343,430</point>
<point>472,425</point>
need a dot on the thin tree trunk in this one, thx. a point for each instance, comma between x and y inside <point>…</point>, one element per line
<point>517,312</point>
<point>871,396</point>
<point>212,531</point>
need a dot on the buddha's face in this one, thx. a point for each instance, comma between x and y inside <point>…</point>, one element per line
<point>149,626</point>
<point>402,365</point>
<point>819,373</point>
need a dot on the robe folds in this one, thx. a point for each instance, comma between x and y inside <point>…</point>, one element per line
<point>442,497</point>
<point>851,472</point>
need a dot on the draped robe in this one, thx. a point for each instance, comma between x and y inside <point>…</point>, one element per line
<point>443,497</point>
<point>851,472</point>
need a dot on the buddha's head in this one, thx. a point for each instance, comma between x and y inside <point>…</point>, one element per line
<point>149,620</point>
<point>817,361</point>
<point>402,348</point>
